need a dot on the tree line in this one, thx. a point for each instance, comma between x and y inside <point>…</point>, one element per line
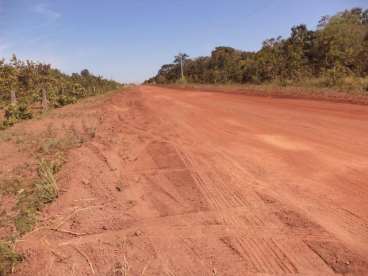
<point>26,86</point>
<point>334,54</point>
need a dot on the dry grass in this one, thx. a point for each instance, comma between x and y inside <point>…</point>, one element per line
<point>8,258</point>
<point>47,189</point>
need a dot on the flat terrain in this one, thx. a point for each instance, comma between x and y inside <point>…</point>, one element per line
<point>180,182</point>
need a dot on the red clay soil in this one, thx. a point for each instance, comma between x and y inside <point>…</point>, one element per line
<point>178,182</point>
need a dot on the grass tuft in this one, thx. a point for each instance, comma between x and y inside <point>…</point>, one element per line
<point>47,189</point>
<point>25,220</point>
<point>8,258</point>
<point>44,190</point>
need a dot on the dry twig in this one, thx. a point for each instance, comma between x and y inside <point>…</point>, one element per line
<point>85,257</point>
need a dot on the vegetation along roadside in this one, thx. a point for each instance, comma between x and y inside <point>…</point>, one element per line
<point>34,152</point>
<point>29,88</point>
<point>334,55</point>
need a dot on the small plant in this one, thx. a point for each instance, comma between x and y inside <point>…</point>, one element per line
<point>47,189</point>
<point>52,144</point>
<point>8,258</point>
<point>25,220</point>
<point>43,191</point>
<point>64,100</point>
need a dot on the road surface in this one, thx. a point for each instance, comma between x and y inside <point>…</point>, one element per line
<point>181,182</point>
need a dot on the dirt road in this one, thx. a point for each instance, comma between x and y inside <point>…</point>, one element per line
<point>200,183</point>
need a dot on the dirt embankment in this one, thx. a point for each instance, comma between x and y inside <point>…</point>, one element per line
<point>176,182</point>
<point>289,92</point>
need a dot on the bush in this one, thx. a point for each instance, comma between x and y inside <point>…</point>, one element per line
<point>29,80</point>
<point>14,113</point>
<point>182,81</point>
<point>64,100</point>
<point>335,76</point>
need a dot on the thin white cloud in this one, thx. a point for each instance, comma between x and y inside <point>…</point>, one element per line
<point>44,10</point>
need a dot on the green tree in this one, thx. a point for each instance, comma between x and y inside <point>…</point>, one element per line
<point>30,81</point>
<point>337,49</point>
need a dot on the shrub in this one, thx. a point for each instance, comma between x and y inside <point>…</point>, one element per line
<point>64,100</point>
<point>14,113</point>
<point>182,81</point>
<point>335,76</point>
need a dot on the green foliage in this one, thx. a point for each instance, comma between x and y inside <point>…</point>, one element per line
<point>8,259</point>
<point>14,113</point>
<point>30,201</point>
<point>333,53</point>
<point>27,205</point>
<point>28,79</point>
<point>335,76</point>
<point>182,81</point>
<point>64,100</point>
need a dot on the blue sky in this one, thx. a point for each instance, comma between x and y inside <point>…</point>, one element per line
<point>129,40</point>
